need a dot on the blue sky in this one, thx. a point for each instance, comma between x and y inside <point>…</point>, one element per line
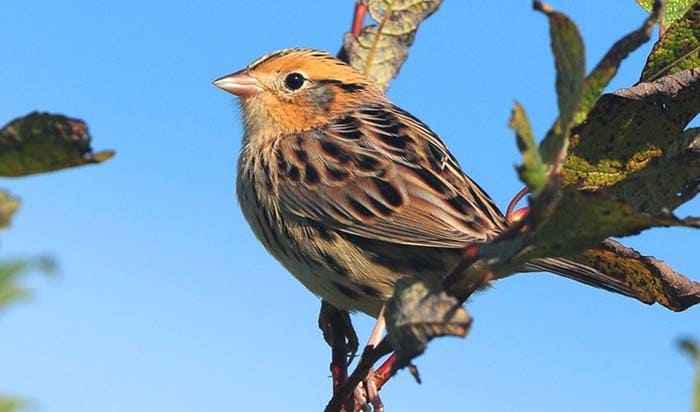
<point>166,301</point>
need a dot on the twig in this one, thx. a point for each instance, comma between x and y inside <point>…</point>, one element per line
<point>358,17</point>
<point>369,357</point>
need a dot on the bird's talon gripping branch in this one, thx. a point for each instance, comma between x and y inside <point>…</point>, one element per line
<point>373,393</point>
<point>340,335</point>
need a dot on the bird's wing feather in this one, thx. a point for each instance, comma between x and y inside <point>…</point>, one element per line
<point>378,172</point>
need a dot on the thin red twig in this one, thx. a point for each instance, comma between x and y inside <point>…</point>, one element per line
<point>358,18</point>
<point>369,357</point>
<point>385,371</point>
<point>513,215</point>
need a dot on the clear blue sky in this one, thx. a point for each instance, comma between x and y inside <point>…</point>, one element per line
<point>166,302</point>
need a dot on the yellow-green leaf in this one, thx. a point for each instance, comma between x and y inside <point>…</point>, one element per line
<point>691,348</point>
<point>8,206</point>
<point>674,9</point>
<point>10,404</point>
<point>43,142</point>
<point>678,49</point>
<point>532,172</point>
<point>10,273</point>
<point>606,69</point>
<point>569,60</point>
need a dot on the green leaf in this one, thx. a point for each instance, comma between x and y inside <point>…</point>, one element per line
<point>607,68</point>
<point>10,404</point>
<point>532,172</point>
<point>12,271</point>
<point>678,49</point>
<point>8,206</point>
<point>380,50</point>
<point>691,348</point>
<point>43,142</point>
<point>614,185</point>
<point>673,9</point>
<point>629,131</point>
<point>569,60</point>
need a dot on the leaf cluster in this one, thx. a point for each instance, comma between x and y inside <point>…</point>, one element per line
<point>611,165</point>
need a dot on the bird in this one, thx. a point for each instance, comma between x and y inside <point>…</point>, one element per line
<point>350,192</point>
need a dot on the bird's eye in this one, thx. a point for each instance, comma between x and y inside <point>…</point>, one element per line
<point>294,81</point>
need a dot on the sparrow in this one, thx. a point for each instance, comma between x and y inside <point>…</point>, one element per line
<point>350,192</point>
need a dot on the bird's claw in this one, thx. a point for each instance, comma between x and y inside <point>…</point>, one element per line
<point>366,396</point>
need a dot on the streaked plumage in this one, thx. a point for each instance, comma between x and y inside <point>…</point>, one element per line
<point>348,191</point>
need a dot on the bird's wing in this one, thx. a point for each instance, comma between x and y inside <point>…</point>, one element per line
<point>380,173</point>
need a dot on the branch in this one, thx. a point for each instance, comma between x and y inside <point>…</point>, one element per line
<point>653,280</point>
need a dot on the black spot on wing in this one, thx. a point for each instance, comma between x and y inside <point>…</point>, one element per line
<point>349,293</point>
<point>310,175</point>
<point>373,111</point>
<point>435,156</point>
<point>431,180</point>
<point>336,174</point>
<point>334,151</point>
<point>367,163</point>
<point>483,201</point>
<point>394,140</point>
<point>266,173</point>
<point>460,204</point>
<point>427,130</point>
<point>473,226</point>
<point>359,208</point>
<point>348,128</point>
<point>301,155</point>
<point>389,193</point>
<point>370,291</point>
<point>389,126</point>
<point>293,173</point>
<point>332,263</point>
<point>411,259</point>
<point>286,168</point>
<point>379,206</point>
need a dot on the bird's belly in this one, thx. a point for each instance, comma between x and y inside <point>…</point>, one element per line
<point>349,272</point>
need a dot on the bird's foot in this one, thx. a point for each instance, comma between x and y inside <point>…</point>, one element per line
<point>340,335</point>
<point>366,395</point>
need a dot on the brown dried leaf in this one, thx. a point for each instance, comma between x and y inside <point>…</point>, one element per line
<point>43,142</point>
<point>418,313</point>
<point>380,50</point>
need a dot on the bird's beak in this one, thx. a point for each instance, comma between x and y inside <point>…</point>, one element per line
<point>239,83</point>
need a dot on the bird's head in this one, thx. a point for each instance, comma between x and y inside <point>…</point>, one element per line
<point>293,90</point>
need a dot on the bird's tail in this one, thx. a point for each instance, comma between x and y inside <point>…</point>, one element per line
<point>581,273</point>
